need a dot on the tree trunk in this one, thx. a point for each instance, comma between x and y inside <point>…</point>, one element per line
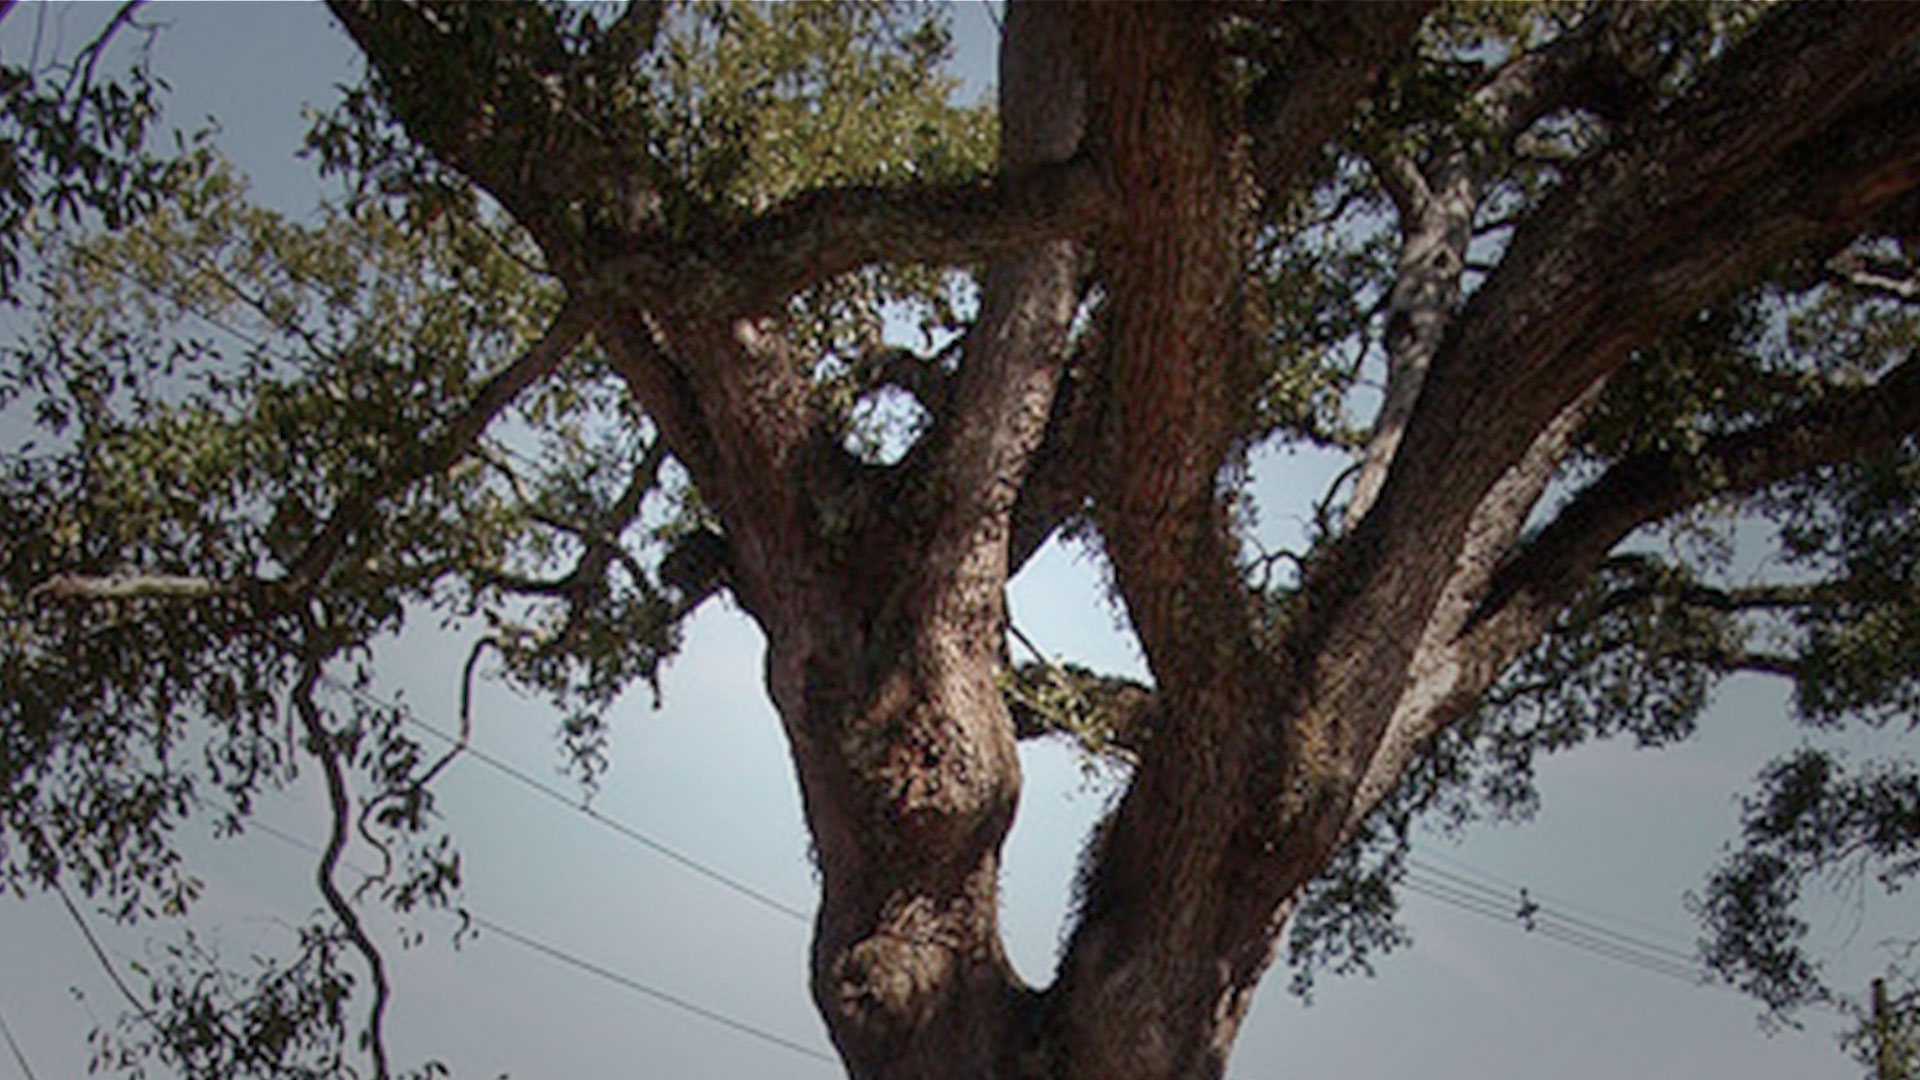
<point>885,672</point>
<point>879,588</point>
<point>909,774</point>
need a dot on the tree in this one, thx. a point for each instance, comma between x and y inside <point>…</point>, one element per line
<point>600,333</point>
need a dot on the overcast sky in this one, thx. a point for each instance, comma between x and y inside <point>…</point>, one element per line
<point>1622,837</point>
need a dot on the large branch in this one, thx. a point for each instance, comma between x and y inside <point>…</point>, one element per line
<point>1647,488</point>
<point>1698,200</point>
<point>976,458</point>
<point>1334,54</point>
<point>1787,143</point>
<point>1436,201</point>
<point>821,233</point>
<point>1178,376</point>
<point>1639,237</point>
<point>486,91</point>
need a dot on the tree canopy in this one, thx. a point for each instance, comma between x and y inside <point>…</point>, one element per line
<point>1612,308</point>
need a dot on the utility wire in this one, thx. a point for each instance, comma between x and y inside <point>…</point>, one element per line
<point>1545,910</point>
<point>658,995</point>
<point>1496,907</point>
<point>1429,880</point>
<point>100,954</point>
<point>1585,942</point>
<point>1667,932</point>
<point>582,964</point>
<point>619,827</point>
<point>20,1058</point>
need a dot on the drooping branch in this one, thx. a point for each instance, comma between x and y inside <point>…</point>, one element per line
<point>321,744</point>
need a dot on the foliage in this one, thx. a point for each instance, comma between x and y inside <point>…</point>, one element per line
<point>286,423</point>
<point>73,144</point>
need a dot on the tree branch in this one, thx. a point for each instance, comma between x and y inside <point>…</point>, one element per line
<point>320,744</point>
<point>600,538</point>
<point>417,462</point>
<point>1645,488</point>
<point>1333,54</point>
<point>1642,234</point>
<point>1436,203</point>
<point>489,91</point>
<point>825,232</point>
<point>426,459</point>
<point>1889,278</point>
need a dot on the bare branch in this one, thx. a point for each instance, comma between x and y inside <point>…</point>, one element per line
<point>320,743</point>
<point>133,586</point>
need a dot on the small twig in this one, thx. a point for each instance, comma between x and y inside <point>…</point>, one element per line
<point>85,61</point>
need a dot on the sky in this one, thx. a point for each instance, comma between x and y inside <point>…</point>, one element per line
<point>1622,836</point>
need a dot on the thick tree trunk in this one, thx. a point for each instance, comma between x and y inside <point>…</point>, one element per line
<point>909,773</point>
<point>885,673</point>
<point>879,589</point>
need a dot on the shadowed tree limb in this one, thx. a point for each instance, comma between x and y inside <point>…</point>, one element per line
<point>1647,488</point>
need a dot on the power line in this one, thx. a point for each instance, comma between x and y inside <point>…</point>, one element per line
<point>20,1058</point>
<point>1434,882</point>
<point>1585,942</point>
<point>1545,909</point>
<point>619,827</point>
<point>582,964</point>
<point>1487,903</point>
<point>659,995</point>
<point>1641,925</point>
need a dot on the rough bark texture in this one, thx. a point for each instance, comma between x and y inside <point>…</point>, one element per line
<point>879,589</point>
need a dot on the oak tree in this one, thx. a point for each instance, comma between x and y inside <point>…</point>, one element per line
<point>602,329</point>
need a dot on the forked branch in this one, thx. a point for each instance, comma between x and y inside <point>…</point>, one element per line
<point>1646,488</point>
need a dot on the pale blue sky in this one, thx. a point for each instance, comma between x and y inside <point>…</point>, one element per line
<point>1624,833</point>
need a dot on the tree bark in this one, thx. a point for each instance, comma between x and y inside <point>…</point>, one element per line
<point>890,690</point>
<point>879,588</point>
